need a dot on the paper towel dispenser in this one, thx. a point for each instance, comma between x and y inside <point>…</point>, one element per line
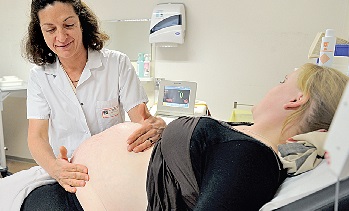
<point>167,26</point>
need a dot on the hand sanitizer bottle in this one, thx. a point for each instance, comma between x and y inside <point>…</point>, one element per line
<point>327,48</point>
<point>146,66</point>
<point>140,65</point>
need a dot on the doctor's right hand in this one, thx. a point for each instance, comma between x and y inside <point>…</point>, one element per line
<point>67,174</point>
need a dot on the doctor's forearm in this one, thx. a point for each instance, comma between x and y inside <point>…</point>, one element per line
<point>42,153</point>
<point>38,143</point>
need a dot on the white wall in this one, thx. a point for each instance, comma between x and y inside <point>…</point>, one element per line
<point>14,20</point>
<point>235,50</point>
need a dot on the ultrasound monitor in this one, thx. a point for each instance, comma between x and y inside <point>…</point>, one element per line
<point>176,98</point>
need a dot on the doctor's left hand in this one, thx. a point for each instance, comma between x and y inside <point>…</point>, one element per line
<point>67,174</point>
<point>148,134</point>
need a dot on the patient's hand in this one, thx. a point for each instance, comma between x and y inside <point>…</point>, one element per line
<point>67,174</point>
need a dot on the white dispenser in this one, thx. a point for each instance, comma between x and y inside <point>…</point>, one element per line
<point>167,26</point>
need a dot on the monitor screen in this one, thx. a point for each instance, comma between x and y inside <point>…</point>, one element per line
<point>176,96</point>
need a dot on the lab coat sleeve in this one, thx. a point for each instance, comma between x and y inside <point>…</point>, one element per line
<point>37,107</point>
<point>132,92</point>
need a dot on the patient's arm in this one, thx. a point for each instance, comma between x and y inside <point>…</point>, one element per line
<point>117,177</point>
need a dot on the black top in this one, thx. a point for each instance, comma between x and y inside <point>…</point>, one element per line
<point>204,164</point>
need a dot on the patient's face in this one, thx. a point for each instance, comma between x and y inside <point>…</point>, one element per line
<point>274,101</point>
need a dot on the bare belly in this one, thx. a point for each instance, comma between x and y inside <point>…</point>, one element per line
<point>117,177</point>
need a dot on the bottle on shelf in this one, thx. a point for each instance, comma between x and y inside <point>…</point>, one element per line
<point>327,48</point>
<point>146,65</point>
<point>140,65</point>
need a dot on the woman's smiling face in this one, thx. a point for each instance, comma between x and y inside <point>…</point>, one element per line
<point>61,29</point>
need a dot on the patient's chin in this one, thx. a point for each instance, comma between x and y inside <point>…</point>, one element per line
<point>117,177</point>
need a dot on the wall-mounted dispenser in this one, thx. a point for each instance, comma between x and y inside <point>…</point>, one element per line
<point>167,26</point>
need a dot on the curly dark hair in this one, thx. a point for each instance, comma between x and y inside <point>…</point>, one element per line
<point>37,51</point>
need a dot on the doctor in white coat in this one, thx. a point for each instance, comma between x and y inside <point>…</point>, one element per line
<point>78,89</point>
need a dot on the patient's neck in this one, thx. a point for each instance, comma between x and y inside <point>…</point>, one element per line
<point>267,137</point>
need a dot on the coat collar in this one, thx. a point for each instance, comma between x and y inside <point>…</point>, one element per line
<point>60,79</point>
<point>94,61</point>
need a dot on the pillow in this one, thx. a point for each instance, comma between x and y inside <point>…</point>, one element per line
<point>302,152</point>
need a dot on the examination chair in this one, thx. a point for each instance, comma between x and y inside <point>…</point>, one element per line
<point>323,200</point>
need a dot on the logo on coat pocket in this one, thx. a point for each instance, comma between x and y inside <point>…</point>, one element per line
<point>110,112</point>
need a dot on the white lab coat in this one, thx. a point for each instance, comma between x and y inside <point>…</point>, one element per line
<point>108,87</point>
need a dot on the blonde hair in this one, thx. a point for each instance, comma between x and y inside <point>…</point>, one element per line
<point>323,86</point>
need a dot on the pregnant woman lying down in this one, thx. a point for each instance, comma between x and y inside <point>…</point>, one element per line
<point>202,163</point>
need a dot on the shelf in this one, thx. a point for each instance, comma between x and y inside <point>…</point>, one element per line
<point>146,79</point>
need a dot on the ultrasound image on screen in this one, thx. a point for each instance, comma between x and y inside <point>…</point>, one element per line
<point>176,96</point>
